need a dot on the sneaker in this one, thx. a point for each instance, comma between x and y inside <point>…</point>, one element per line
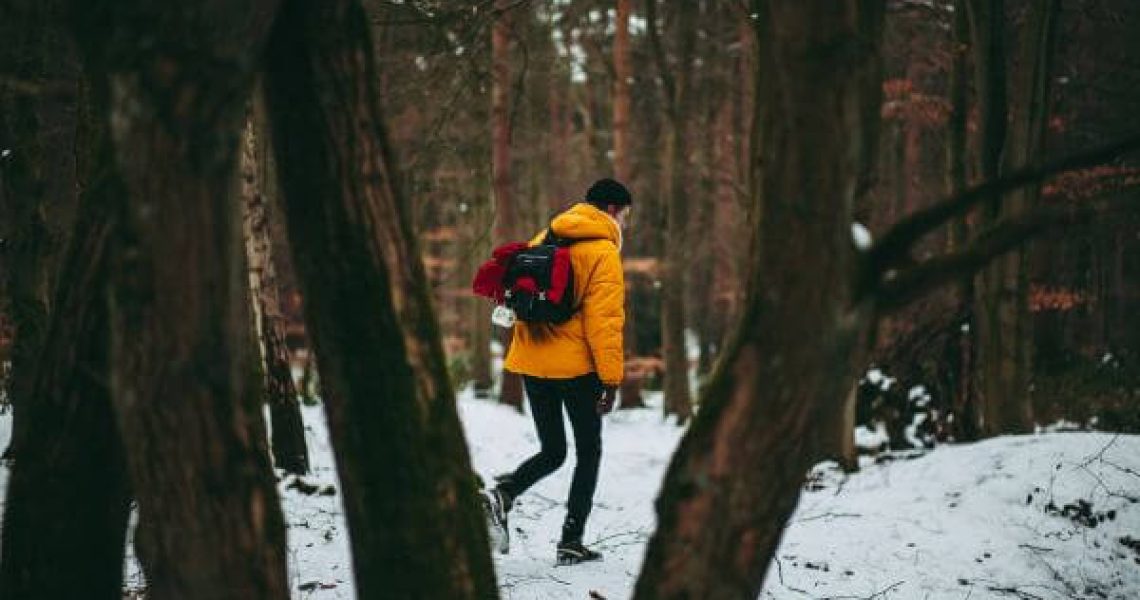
<point>496,503</point>
<point>572,553</point>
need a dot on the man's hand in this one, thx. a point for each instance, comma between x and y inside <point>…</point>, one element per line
<point>607,399</point>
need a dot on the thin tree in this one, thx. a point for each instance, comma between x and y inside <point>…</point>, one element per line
<point>678,101</point>
<point>287,429</point>
<point>178,319</point>
<point>631,387</point>
<point>1003,325</point>
<point>957,158</point>
<point>409,494</point>
<point>506,226</point>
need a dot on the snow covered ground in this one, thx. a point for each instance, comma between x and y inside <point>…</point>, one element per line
<point>986,520</point>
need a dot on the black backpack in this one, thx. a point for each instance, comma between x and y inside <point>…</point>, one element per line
<point>537,263</point>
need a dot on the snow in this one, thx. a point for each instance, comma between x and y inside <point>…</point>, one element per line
<point>872,439</point>
<point>861,236</point>
<point>970,521</point>
<point>881,380</point>
<point>982,520</point>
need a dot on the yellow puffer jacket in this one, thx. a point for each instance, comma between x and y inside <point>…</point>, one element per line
<point>591,341</point>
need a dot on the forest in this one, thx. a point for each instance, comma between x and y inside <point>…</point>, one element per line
<point>876,283</point>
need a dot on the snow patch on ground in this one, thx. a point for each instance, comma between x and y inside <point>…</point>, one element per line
<point>985,520</point>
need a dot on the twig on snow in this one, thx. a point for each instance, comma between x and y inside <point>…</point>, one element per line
<point>828,515</point>
<point>780,574</point>
<point>1121,468</point>
<point>879,594</point>
<point>1100,453</point>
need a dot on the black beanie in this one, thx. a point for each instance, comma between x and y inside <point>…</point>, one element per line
<point>608,191</point>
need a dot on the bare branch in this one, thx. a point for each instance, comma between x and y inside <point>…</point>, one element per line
<point>894,247</point>
<point>897,291</point>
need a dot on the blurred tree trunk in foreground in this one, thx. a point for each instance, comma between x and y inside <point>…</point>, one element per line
<point>178,316</point>
<point>67,498</point>
<point>409,494</point>
<point>736,477</point>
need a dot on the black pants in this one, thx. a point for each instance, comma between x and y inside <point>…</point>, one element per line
<point>547,397</point>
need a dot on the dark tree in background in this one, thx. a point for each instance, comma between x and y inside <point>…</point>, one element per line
<point>409,492</point>
<point>506,212</point>
<point>677,92</point>
<point>287,428</point>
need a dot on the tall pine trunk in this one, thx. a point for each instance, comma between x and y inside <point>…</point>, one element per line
<point>964,402</point>
<point>1003,326</point>
<point>178,316</point>
<point>506,213</point>
<point>409,494</point>
<point>75,452</point>
<point>1007,375</point>
<point>630,387</point>
<point>678,398</point>
<point>736,477</point>
<point>287,429</point>
<point>987,32</point>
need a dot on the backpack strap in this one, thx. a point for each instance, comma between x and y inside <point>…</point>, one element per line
<point>554,240</point>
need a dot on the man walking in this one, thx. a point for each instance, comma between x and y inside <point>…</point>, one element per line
<point>576,364</point>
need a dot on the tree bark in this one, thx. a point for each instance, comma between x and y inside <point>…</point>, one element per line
<point>409,494</point>
<point>506,213</point>
<point>75,452</point>
<point>478,310</point>
<point>630,387</point>
<point>37,183</point>
<point>678,398</point>
<point>1004,325</point>
<point>287,429</point>
<point>987,32</point>
<point>207,501</point>
<point>964,400</point>
<point>736,477</point>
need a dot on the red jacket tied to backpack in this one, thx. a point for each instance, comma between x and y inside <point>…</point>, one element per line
<point>591,340</point>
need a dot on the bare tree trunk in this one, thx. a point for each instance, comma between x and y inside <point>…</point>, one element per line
<point>37,186</point>
<point>736,478</point>
<point>178,296</point>
<point>957,155</point>
<point>480,312</point>
<point>1004,324</point>
<point>290,452</point>
<point>987,32</point>
<point>1025,148</point>
<point>506,227</point>
<point>409,494</point>
<point>678,400</point>
<point>75,452</point>
<point>630,387</point>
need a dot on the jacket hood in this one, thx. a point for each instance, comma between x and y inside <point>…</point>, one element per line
<point>584,221</point>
